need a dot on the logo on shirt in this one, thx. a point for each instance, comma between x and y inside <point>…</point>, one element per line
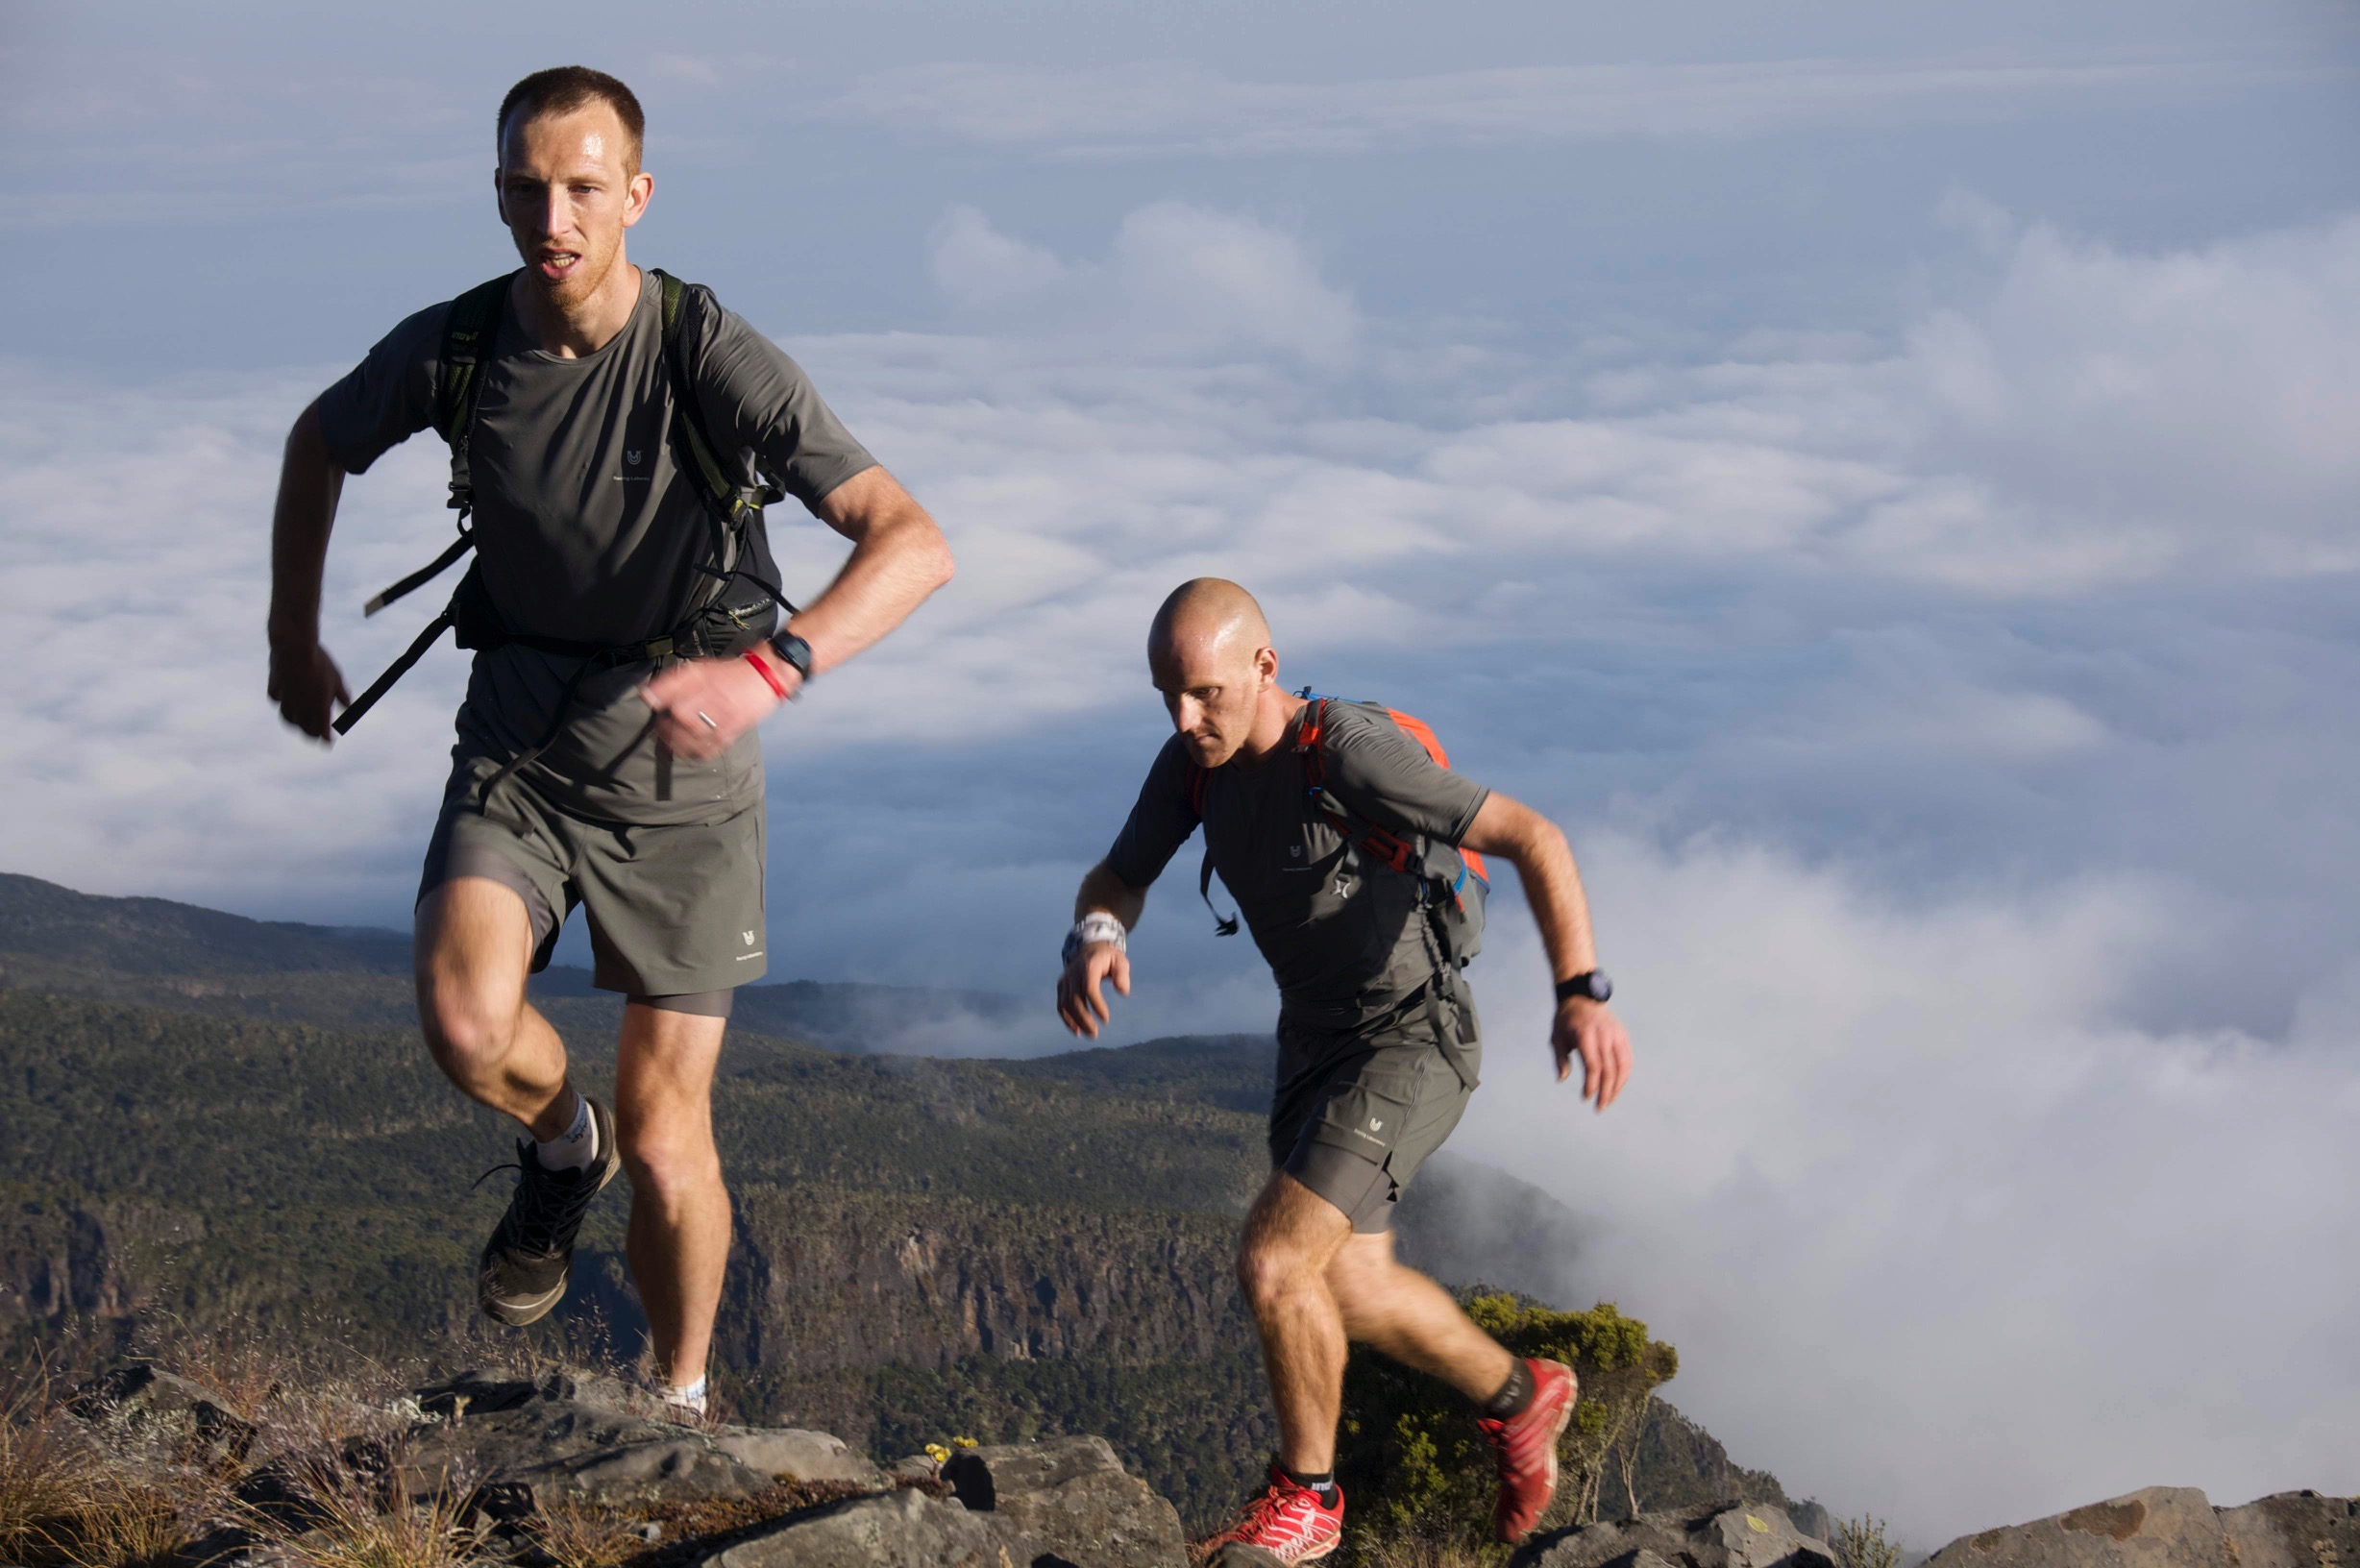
<point>630,459</point>
<point>748,935</point>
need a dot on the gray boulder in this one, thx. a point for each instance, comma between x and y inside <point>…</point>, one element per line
<point>790,1453</point>
<point>1072,1498</point>
<point>596,1439</point>
<point>1715,1535</point>
<point>148,1407</point>
<point>2173,1527</point>
<point>2295,1529</point>
<point>543,1439</point>
<point>903,1529</point>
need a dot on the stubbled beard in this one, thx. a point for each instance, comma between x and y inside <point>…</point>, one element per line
<point>589,274</point>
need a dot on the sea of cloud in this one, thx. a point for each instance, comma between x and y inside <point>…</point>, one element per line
<point>1935,1228</point>
<point>1952,723</point>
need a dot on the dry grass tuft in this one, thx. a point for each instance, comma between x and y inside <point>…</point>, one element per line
<point>1417,1553</point>
<point>126,1524</point>
<point>587,1538</point>
<point>353,1534</point>
<point>45,1484</point>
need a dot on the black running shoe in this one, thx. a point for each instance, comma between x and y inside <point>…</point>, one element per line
<point>526,1264</point>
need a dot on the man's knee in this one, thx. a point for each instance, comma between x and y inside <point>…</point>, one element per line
<point>1274,1266</point>
<point>470,1028</point>
<point>1268,1273</point>
<point>668,1155</point>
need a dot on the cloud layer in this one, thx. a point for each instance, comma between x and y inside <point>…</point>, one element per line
<point>1175,108</point>
<point>1928,1219</point>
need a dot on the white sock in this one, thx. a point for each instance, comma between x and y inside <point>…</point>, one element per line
<point>577,1146</point>
<point>690,1398</point>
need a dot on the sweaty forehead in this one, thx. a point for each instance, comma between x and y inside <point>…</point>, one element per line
<point>591,134</point>
<point>1183,656</point>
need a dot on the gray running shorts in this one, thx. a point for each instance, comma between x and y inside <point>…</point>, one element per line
<point>676,910</point>
<point>1356,1113</point>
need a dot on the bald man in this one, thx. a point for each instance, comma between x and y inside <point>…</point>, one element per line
<point>1339,836</point>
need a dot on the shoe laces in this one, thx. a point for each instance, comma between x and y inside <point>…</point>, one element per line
<point>545,1208</point>
<point>1264,1509</point>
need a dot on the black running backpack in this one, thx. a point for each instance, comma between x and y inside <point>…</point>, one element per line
<point>739,602</point>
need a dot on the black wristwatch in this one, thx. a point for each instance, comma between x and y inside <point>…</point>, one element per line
<point>1590,983</point>
<point>793,651</point>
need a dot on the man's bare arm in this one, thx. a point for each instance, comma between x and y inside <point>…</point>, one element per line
<point>899,557</point>
<point>1081,1003</point>
<point>1103,891</point>
<point>1536,848</point>
<point>303,680</point>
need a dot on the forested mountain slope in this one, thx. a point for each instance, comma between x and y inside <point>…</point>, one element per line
<point>225,1120</point>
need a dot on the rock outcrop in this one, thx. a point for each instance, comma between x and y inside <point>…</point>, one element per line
<point>508,1460</point>
<point>574,1437</point>
<point>146,1408</point>
<point>2173,1527</point>
<point>904,1528</point>
<point>1716,1536</point>
<point>1072,1496</point>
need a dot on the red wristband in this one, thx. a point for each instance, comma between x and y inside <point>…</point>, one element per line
<point>776,685</point>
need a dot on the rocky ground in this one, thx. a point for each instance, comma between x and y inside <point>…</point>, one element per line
<point>565,1468</point>
<point>2163,1527</point>
<point>579,1470</point>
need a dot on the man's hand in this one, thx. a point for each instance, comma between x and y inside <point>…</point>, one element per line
<point>307,687</point>
<point>1081,1005</point>
<point>1588,1030</point>
<point>701,706</point>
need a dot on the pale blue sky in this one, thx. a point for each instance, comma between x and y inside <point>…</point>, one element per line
<point>1881,476</point>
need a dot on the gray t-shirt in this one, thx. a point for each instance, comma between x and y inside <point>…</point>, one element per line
<point>1342,933</point>
<point>588,531</point>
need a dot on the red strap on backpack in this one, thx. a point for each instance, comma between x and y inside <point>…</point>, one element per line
<point>1385,846</point>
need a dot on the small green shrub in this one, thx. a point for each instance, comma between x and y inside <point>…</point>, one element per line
<point>1862,1543</point>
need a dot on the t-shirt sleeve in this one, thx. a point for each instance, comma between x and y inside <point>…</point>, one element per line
<point>1385,775</point>
<point>1160,822</point>
<point>389,397</point>
<point>755,397</point>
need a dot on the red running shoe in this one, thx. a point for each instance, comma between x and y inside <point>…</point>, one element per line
<point>1285,1524</point>
<point>1525,1444</point>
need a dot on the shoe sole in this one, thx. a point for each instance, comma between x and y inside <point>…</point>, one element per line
<point>1564,1418</point>
<point>1238,1554</point>
<point>520,1311</point>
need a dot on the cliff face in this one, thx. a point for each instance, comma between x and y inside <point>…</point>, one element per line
<point>926,1283</point>
<point>58,1261</point>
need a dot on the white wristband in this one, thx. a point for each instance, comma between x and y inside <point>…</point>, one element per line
<point>1097,927</point>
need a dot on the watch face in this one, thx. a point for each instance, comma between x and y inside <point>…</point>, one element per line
<point>1600,987</point>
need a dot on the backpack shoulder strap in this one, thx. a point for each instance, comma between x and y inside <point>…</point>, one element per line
<point>468,330</point>
<point>468,333</point>
<point>1200,787</point>
<point>685,314</point>
<point>1380,844</point>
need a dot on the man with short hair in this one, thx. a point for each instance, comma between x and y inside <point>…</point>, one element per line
<point>1344,840</point>
<point>614,434</point>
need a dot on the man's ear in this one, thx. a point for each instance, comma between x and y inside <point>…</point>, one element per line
<point>635,205</point>
<point>1265,664</point>
<point>499,194</point>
